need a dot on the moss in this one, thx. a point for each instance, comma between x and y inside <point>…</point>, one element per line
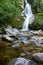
<point>39,34</point>
<point>7,52</point>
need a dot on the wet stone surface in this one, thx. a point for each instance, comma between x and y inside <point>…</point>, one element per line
<point>23,44</point>
<point>21,61</point>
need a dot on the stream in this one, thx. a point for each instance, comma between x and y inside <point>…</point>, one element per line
<point>24,43</point>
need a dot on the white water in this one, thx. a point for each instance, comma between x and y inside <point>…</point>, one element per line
<point>22,61</point>
<point>29,16</point>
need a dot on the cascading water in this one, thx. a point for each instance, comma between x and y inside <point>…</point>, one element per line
<point>29,16</point>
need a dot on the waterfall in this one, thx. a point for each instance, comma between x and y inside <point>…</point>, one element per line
<point>29,16</point>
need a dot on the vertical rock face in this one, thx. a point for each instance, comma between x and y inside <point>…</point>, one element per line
<point>38,57</point>
<point>19,61</point>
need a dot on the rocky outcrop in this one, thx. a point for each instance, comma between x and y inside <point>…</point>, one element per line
<point>26,37</point>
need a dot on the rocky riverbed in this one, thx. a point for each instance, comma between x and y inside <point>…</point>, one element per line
<point>8,53</point>
<point>18,37</point>
<point>16,43</point>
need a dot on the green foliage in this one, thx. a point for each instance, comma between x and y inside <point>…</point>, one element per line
<point>37,6</point>
<point>38,24</point>
<point>8,10</point>
<point>7,53</point>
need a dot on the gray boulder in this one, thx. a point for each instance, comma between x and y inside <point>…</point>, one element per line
<point>20,61</point>
<point>38,57</point>
<point>26,42</point>
<point>35,42</point>
<point>11,31</point>
<point>8,38</point>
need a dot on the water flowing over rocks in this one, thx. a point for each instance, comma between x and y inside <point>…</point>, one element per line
<point>20,61</point>
<point>38,57</point>
<point>26,37</point>
<point>25,42</point>
<point>10,32</point>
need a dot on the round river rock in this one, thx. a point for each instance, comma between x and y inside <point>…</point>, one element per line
<point>38,57</point>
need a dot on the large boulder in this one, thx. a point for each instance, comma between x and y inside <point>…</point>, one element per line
<point>38,40</point>
<point>20,61</point>
<point>12,31</point>
<point>38,57</point>
<point>6,37</point>
<point>35,42</point>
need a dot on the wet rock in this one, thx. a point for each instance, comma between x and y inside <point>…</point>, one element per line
<point>1,36</point>
<point>26,42</point>
<point>18,19</point>
<point>35,42</point>
<point>20,61</point>
<point>16,45</point>
<point>24,34</point>
<point>12,31</point>
<point>16,42</point>
<point>19,27</point>
<point>30,34</point>
<point>22,14</point>
<point>7,38</point>
<point>1,32</point>
<point>36,32</point>
<point>38,57</point>
<point>22,54</point>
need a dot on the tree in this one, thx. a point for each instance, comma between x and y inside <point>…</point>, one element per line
<point>8,10</point>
